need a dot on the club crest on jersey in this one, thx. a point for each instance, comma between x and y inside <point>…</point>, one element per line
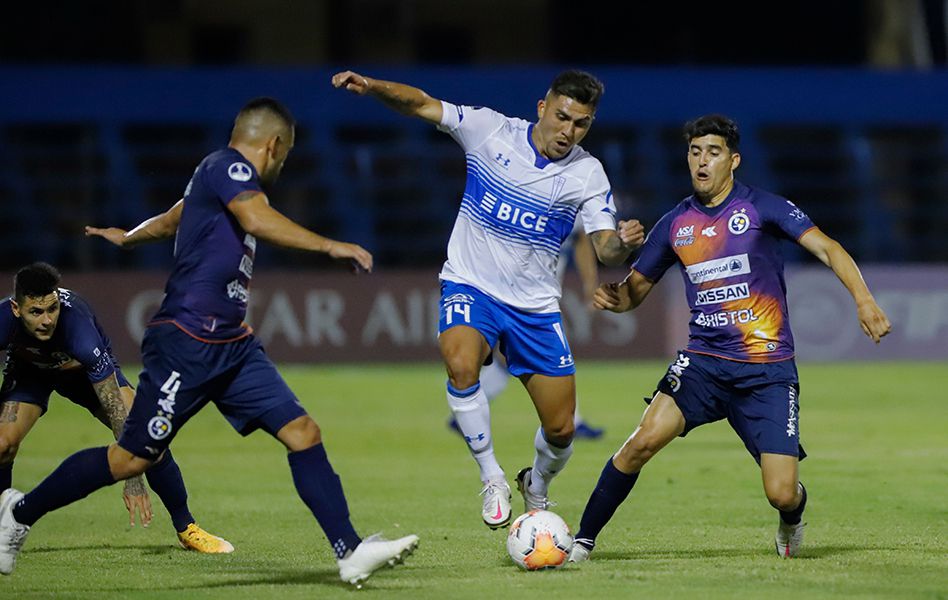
<point>239,171</point>
<point>739,222</point>
<point>159,428</point>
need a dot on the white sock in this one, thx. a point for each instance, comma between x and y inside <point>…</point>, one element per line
<point>547,463</point>
<point>472,412</point>
<point>494,378</point>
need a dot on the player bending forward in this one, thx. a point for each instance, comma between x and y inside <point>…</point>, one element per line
<point>738,364</point>
<point>526,184</point>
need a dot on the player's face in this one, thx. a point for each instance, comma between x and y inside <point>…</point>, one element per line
<point>39,315</point>
<point>277,154</point>
<point>562,123</point>
<point>712,165</point>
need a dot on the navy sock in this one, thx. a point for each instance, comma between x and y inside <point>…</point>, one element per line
<point>792,517</point>
<point>78,476</point>
<point>321,491</point>
<point>6,476</point>
<point>611,490</point>
<point>164,477</point>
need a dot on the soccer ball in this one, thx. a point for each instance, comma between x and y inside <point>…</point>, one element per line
<point>539,539</point>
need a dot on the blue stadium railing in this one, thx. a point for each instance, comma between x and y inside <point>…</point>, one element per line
<point>865,153</point>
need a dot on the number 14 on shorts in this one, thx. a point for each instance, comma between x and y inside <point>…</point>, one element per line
<point>459,308</point>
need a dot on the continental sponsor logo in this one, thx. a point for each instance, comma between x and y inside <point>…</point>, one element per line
<point>719,268</point>
<point>726,293</point>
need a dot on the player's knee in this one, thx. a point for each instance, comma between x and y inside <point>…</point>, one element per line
<point>783,497</point>
<point>123,464</point>
<point>8,448</point>
<point>300,434</point>
<point>462,370</point>
<point>560,433</point>
<point>640,448</point>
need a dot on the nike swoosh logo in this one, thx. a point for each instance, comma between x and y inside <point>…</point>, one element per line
<point>499,512</point>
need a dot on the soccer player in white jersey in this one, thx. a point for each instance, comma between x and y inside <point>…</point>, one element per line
<point>526,184</point>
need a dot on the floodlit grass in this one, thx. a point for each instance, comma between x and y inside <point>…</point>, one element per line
<point>697,524</point>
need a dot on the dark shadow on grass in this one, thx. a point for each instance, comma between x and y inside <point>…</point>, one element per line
<point>808,552</point>
<point>153,549</point>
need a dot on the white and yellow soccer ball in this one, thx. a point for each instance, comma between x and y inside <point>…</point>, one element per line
<point>538,540</point>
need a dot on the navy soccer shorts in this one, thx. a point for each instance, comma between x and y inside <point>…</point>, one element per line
<point>531,342</point>
<point>34,386</point>
<point>181,374</point>
<point>761,401</point>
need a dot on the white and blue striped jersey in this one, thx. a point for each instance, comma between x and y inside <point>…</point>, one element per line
<point>518,208</point>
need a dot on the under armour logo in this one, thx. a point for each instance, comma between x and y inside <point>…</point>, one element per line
<point>505,162</point>
<point>479,438</point>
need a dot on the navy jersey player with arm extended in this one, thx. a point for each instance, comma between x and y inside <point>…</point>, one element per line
<point>198,349</point>
<point>526,184</point>
<point>54,343</point>
<point>739,361</point>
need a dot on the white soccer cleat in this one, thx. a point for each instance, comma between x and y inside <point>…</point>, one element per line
<point>12,534</point>
<point>372,554</point>
<point>789,538</point>
<point>496,510</point>
<point>530,500</point>
<point>578,553</point>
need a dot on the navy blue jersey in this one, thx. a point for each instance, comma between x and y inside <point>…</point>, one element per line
<point>78,342</point>
<point>207,292</point>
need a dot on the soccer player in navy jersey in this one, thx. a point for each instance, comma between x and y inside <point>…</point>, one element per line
<point>198,349</point>
<point>53,343</point>
<point>526,185</point>
<point>739,361</point>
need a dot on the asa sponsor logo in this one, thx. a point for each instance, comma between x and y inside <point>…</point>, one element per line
<point>686,231</point>
<point>738,291</point>
<point>718,268</point>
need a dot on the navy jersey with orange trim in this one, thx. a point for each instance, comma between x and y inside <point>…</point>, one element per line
<point>207,292</point>
<point>79,342</point>
<point>732,266</point>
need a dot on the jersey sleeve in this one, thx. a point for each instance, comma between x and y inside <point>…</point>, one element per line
<point>657,255</point>
<point>599,209</point>
<point>228,178</point>
<point>7,324</point>
<point>783,217</point>
<point>86,345</point>
<point>470,126</point>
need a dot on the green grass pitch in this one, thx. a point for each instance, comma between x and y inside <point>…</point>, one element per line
<point>697,524</point>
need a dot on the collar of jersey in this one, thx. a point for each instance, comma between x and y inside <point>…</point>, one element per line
<point>738,190</point>
<point>540,161</point>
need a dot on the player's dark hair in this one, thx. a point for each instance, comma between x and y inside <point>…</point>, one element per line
<point>35,281</point>
<point>580,86</point>
<point>714,125</point>
<point>271,105</point>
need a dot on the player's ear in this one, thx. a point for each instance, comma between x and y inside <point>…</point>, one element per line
<point>15,308</point>
<point>735,161</point>
<point>541,108</point>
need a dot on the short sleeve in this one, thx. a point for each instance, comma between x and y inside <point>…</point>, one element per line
<point>599,209</point>
<point>470,126</point>
<point>228,178</point>
<point>86,345</point>
<point>656,255</point>
<point>783,216</point>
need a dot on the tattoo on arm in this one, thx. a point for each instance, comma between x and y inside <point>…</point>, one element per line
<point>110,397</point>
<point>8,412</point>
<point>135,486</point>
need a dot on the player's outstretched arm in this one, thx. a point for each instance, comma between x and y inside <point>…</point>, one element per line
<point>153,229</point>
<point>624,295</point>
<point>403,98</point>
<point>871,317</point>
<point>586,265</point>
<point>259,219</point>
<point>115,406</point>
<point>613,247</point>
